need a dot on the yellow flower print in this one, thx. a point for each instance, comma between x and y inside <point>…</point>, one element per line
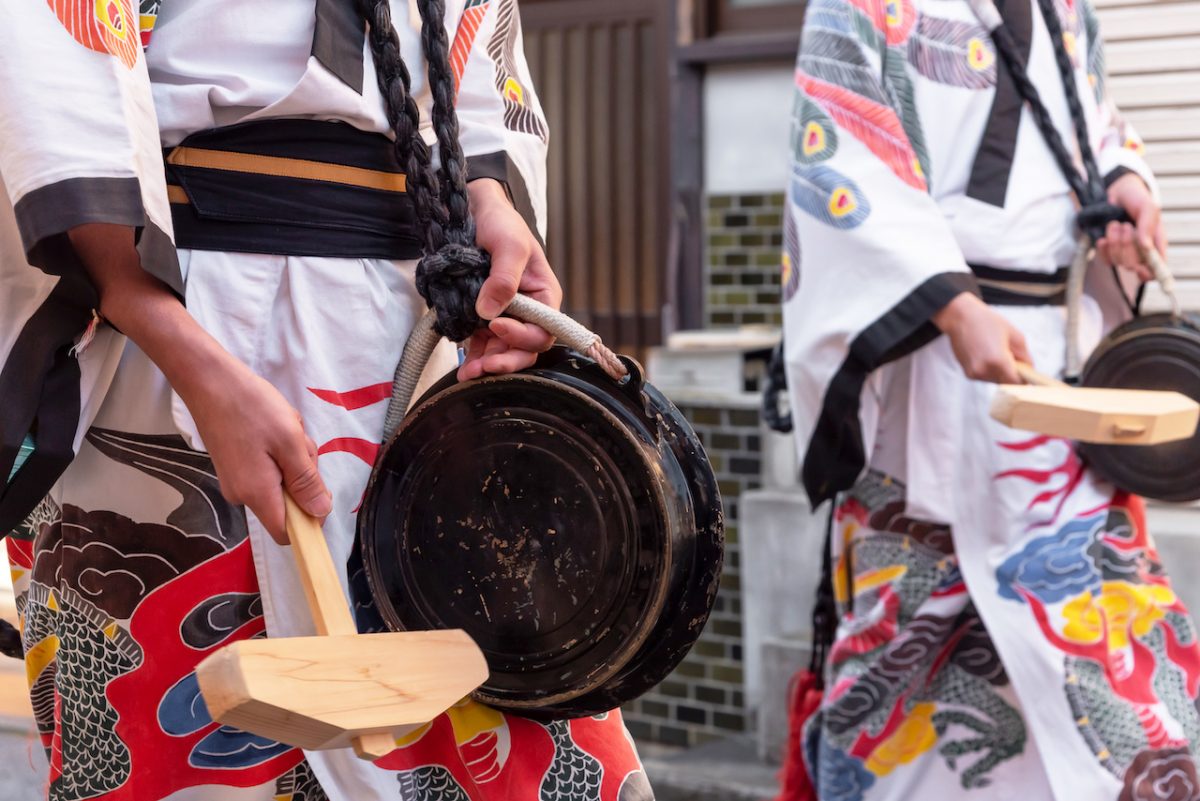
<point>1126,610</point>
<point>915,736</point>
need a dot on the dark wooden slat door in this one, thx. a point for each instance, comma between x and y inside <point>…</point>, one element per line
<point>600,69</point>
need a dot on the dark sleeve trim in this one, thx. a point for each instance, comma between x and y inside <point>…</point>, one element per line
<point>835,456</point>
<point>39,391</point>
<point>993,162</point>
<point>500,167</point>
<point>1116,174</point>
<point>338,39</point>
<point>46,214</point>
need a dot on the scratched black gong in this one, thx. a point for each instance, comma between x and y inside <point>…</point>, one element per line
<point>572,526</point>
<point>1157,351</point>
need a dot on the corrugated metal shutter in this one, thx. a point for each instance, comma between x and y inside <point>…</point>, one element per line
<point>1154,69</point>
<point>601,73</point>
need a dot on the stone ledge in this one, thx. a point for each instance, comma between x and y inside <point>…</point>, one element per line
<point>724,770</point>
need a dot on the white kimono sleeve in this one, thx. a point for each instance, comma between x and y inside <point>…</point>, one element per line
<point>503,130</point>
<point>879,257</point>
<point>1120,150</point>
<point>78,144</point>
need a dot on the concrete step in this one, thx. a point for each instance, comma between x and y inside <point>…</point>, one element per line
<point>724,770</point>
<point>23,767</point>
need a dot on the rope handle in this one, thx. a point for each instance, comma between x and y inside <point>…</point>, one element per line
<point>424,339</point>
<point>1099,216</point>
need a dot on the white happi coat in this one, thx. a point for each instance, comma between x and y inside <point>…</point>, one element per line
<point>913,158</point>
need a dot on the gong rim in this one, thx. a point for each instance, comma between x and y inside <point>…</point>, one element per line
<point>616,633</point>
<point>1159,351</point>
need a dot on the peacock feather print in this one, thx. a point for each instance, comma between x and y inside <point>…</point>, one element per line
<point>902,97</point>
<point>953,53</point>
<point>814,136</point>
<point>791,256</point>
<point>829,196</point>
<point>875,124</point>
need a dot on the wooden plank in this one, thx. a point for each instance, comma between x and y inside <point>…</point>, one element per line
<point>1157,125</point>
<point>1150,91</point>
<point>1173,158</point>
<point>1153,55</point>
<point>1166,19</point>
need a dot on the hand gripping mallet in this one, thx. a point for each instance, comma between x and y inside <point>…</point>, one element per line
<point>340,688</point>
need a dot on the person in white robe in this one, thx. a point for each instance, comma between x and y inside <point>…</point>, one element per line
<point>154,401</point>
<point>1005,628</point>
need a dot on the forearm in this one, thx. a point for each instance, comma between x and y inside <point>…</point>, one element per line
<point>145,309</point>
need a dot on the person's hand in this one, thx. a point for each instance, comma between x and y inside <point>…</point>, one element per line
<point>986,345</point>
<point>253,435</point>
<point>1124,243</point>
<point>257,444</point>
<point>518,265</point>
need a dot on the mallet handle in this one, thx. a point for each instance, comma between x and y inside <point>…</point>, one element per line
<point>330,612</point>
<point>1033,377</point>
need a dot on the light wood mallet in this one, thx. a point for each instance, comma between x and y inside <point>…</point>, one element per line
<point>341,688</point>
<point>1102,416</point>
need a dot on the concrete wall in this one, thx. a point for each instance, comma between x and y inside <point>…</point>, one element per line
<point>747,115</point>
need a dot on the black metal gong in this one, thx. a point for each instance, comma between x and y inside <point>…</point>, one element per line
<point>572,526</point>
<point>1157,351</point>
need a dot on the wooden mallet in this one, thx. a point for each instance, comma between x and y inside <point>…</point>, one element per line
<point>1102,416</point>
<point>340,688</point>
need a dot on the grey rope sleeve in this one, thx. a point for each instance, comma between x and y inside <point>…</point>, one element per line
<point>424,338</point>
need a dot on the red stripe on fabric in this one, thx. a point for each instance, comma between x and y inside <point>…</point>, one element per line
<point>363,449</point>
<point>355,398</point>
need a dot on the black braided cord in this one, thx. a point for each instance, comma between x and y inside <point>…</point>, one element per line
<point>1095,211</point>
<point>1071,90</point>
<point>453,269</point>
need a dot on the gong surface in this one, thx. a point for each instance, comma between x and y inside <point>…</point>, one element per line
<point>572,526</point>
<point>1158,352</point>
<point>522,513</point>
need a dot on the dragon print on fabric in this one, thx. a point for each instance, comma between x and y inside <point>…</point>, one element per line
<point>913,673</point>
<point>148,16</point>
<point>519,114</point>
<point>106,26</point>
<point>299,784</point>
<point>1097,591</point>
<point>116,615</point>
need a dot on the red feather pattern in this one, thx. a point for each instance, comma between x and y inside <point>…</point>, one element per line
<point>464,39</point>
<point>875,125</point>
<point>893,18</point>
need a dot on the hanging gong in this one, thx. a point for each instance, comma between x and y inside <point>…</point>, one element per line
<point>1157,351</point>
<point>570,524</point>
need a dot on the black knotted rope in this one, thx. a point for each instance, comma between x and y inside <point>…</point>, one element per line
<point>453,268</point>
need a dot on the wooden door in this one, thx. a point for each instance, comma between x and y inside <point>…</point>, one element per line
<point>600,69</point>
